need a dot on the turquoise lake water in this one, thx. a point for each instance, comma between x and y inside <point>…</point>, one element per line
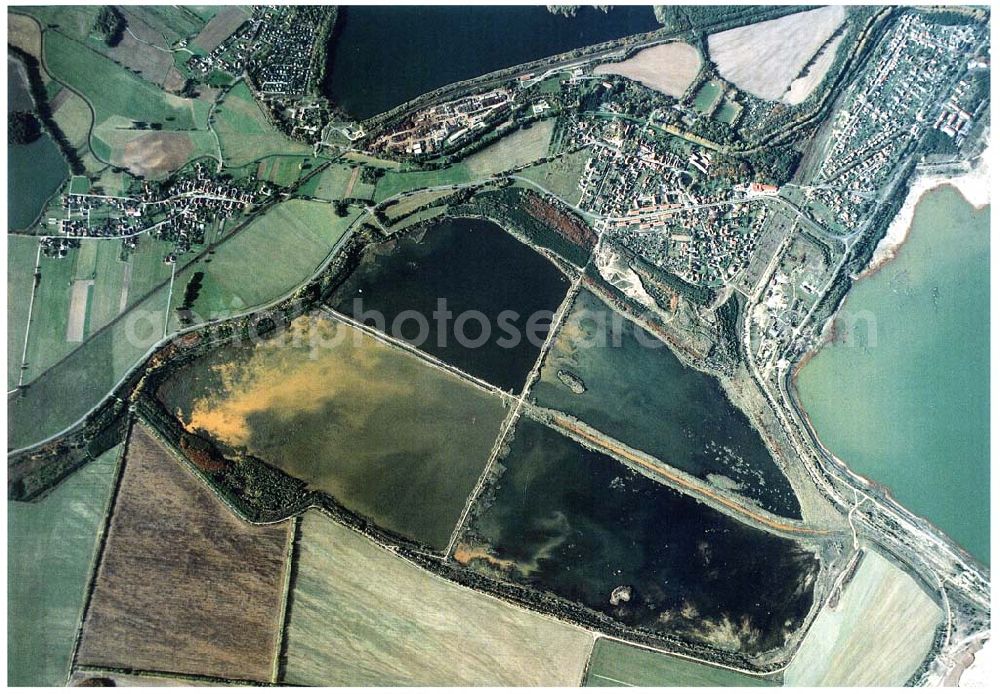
<point>903,396</point>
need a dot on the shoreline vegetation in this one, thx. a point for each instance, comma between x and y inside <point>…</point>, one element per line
<point>973,185</point>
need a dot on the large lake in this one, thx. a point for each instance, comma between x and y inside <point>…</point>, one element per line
<point>381,57</point>
<point>34,171</point>
<point>903,398</point>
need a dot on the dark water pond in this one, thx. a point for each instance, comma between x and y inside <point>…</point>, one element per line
<point>580,524</point>
<point>35,170</point>
<point>381,57</point>
<point>648,399</point>
<point>472,266</point>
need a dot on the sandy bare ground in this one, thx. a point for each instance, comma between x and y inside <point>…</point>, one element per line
<point>184,586</point>
<point>668,68</point>
<point>78,310</point>
<point>154,154</point>
<point>764,58</point>
<point>877,635</point>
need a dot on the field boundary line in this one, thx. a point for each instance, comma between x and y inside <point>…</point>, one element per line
<point>102,542</point>
<point>291,564</point>
<point>568,300</point>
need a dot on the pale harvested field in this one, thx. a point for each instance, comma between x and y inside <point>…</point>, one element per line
<point>361,616</point>
<point>23,33</point>
<point>668,68</point>
<point>220,27</point>
<point>802,87</point>
<point>515,150</point>
<point>157,153</point>
<point>78,300</point>
<point>764,58</point>
<point>184,586</point>
<point>415,201</point>
<point>877,636</point>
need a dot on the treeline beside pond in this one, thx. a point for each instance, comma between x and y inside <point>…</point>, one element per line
<point>44,111</point>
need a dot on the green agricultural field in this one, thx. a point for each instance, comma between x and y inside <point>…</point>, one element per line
<point>109,275</point>
<point>282,171</point>
<point>112,90</point>
<point>67,391</point>
<point>245,132</point>
<point>617,664</point>
<point>406,205</point>
<point>148,269</point>
<point>21,252</point>
<point>50,315</point>
<point>410,627</point>
<point>515,150</point>
<point>395,182</point>
<point>51,545</point>
<point>295,236</point>
<point>74,118</point>
<point>560,176</point>
<point>76,21</point>
<point>79,185</point>
<point>336,182</point>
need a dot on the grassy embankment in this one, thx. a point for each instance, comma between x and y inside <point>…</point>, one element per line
<point>617,664</point>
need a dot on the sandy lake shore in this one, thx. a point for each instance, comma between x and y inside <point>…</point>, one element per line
<point>974,186</point>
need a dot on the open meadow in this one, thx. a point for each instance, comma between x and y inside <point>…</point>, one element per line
<point>512,151</point>
<point>765,57</point>
<point>68,390</point>
<point>112,90</point>
<point>51,545</point>
<point>561,176</point>
<point>183,585</point>
<point>245,132</point>
<point>151,153</point>
<point>876,636</point>
<point>395,182</point>
<point>296,236</point>
<point>361,616</point>
<point>669,68</point>
<point>617,664</point>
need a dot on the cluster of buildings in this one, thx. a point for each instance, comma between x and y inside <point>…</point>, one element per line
<point>278,47</point>
<point>790,292</point>
<point>179,212</point>
<point>643,190</point>
<point>897,99</point>
<point>445,125</point>
<point>284,60</point>
<point>231,55</point>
